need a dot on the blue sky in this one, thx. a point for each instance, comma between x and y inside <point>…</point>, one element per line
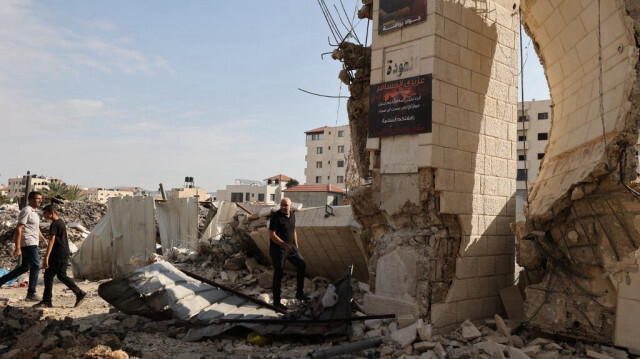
<point>111,93</point>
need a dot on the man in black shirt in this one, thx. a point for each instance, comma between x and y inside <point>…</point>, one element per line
<point>284,245</point>
<point>56,259</point>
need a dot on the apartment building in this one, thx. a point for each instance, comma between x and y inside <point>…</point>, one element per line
<point>17,185</point>
<point>534,123</point>
<point>268,191</point>
<point>327,148</point>
<point>102,195</point>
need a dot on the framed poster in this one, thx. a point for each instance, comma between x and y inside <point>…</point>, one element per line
<point>400,107</point>
<point>396,14</point>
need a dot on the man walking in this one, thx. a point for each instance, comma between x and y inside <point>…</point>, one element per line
<point>29,228</point>
<point>56,259</point>
<point>283,246</point>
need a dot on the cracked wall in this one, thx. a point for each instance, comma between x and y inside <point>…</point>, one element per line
<point>579,243</point>
<point>437,211</point>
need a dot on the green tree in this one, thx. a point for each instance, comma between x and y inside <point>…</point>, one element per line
<point>55,189</point>
<point>73,193</point>
<point>4,200</point>
<point>292,183</point>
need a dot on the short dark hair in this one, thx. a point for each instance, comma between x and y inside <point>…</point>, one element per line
<point>33,194</point>
<point>50,208</point>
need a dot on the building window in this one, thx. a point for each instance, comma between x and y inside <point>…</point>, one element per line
<point>540,156</point>
<point>543,116</point>
<point>318,179</point>
<point>340,163</point>
<point>543,136</point>
<point>314,136</point>
<point>318,164</point>
<point>340,179</point>
<point>522,175</point>
<point>273,197</point>
<point>522,138</point>
<point>341,133</point>
<point>522,157</point>
<point>319,150</point>
<point>236,197</point>
<point>261,197</point>
<point>247,196</point>
<point>523,118</point>
<point>340,149</point>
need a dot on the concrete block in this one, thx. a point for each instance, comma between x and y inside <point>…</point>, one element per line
<point>455,32</point>
<point>378,305</point>
<point>458,291</point>
<point>424,330</point>
<point>469,330</point>
<point>466,267</point>
<point>396,275</point>
<point>456,203</point>
<point>405,336</point>
<point>443,314</point>
<point>486,266</point>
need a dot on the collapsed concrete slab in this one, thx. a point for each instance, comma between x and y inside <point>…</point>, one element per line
<point>329,241</point>
<point>579,243</point>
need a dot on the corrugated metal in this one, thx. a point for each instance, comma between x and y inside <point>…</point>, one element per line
<point>128,229</point>
<point>93,258</point>
<point>178,223</point>
<point>161,291</point>
<point>226,211</point>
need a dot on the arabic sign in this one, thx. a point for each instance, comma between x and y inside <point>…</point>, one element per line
<point>402,62</point>
<point>400,107</point>
<point>396,14</point>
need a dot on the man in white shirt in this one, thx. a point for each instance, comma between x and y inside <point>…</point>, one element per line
<point>26,237</point>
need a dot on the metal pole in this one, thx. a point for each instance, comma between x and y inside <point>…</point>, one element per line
<point>164,195</point>
<point>345,348</point>
<point>25,201</point>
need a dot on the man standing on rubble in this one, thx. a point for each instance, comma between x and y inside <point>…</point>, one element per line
<point>29,228</point>
<point>283,246</point>
<point>56,259</point>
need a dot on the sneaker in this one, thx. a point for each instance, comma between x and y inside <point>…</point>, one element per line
<point>280,306</point>
<point>80,298</point>
<point>32,297</point>
<point>43,304</point>
<point>303,297</point>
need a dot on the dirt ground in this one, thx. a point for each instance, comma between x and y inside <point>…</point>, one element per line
<point>100,323</point>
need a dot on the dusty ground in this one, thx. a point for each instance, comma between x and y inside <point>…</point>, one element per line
<point>97,322</point>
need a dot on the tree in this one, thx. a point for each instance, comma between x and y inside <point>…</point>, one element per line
<point>55,189</point>
<point>4,200</point>
<point>292,183</point>
<point>73,193</point>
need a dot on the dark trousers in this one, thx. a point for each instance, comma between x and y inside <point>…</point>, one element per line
<point>30,262</point>
<point>279,256</point>
<point>57,267</point>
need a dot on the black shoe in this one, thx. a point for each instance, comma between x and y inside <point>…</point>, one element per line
<point>80,298</point>
<point>33,297</point>
<point>280,306</point>
<point>43,304</point>
<point>303,297</point>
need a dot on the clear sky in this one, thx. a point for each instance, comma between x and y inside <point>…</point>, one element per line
<point>135,93</point>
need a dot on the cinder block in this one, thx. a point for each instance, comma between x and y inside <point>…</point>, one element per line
<point>455,32</point>
<point>458,160</point>
<point>445,180</point>
<point>455,203</point>
<point>464,182</point>
<point>448,50</point>
<point>486,266</point>
<point>458,291</point>
<point>473,246</point>
<point>447,136</point>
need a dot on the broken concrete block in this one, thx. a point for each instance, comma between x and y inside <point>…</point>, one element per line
<point>540,341</point>
<point>552,346</point>
<point>375,305</point>
<point>265,279</point>
<point>363,287</point>
<point>404,320</point>
<point>616,353</point>
<point>532,350</point>
<point>440,352</point>
<point>469,330</point>
<point>405,336</point>
<point>502,326</point>
<point>491,348</point>
<point>424,330</point>
<point>372,324</point>
<point>548,355</point>
<point>429,355</point>
<point>515,353</point>
<point>251,264</point>
<point>233,275</point>
<point>516,341</point>
<point>224,276</point>
<point>500,339</point>
<point>593,354</point>
<point>421,347</point>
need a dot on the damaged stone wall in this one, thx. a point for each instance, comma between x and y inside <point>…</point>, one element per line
<point>581,235</point>
<point>436,214</point>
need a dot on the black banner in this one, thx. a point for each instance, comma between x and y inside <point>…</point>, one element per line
<point>396,14</point>
<point>400,107</point>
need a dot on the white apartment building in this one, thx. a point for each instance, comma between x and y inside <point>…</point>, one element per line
<point>268,191</point>
<point>327,148</point>
<point>17,185</point>
<point>102,195</point>
<point>533,135</point>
